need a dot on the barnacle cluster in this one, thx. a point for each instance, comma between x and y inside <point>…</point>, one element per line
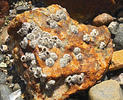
<point>57,56</point>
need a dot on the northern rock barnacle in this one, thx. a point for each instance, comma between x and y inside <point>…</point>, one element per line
<point>58,61</point>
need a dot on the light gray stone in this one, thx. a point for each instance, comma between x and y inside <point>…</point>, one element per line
<point>107,90</point>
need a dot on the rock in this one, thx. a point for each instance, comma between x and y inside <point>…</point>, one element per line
<point>1,58</point>
<point>4,92</point>
<point>117,60</point>
<point>3,65</point>
<point>84,9</point>
<point>3,77</point>
<point>16,87</point>
<point>43,31</point>
<point>107,90</point>
<point>118,40</point>
<point>21,9</point>
<point>102,19</point>
<point>120,20</point>
<point>113,27</point>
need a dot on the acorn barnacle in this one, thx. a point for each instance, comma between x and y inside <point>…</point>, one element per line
<point>61,14</point>
<point>102,45</point>
<point>94,33</point>
<point>86,38</point>
<point>74,29</point>
<point>76,50</point>
<point>49,62</point>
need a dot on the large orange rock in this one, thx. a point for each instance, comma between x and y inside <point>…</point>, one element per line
<point>56,55</point>
<point>85,9</point>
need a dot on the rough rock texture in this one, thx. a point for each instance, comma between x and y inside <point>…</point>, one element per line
<point>118,40</point>
<point>107,90</point>
<point>102,19</point>
<point>117,60</point>
<point>85,9</point>
<point>56,55</point>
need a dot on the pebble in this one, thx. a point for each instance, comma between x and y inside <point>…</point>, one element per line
<point>16,87</point>
<point>4,92</point>
<point>3,65</point>
<point>117,60</point>
<point>113,27</point>
<point>2,77</point>
<point>107,90</point>
<point>102,19</point>
<point>118,40</point>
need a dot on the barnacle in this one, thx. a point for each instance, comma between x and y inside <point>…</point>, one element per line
<point>59,62</point>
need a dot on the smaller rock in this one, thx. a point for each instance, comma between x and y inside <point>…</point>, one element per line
<point>120,19</point>
<point>113,27</point>
<point>21,9</point>
<point>118,40</point>
<point>4,92</point>
<point>117,60</point>
<point>107,90</point>
<point>3,65</point>
<point>16,87</point>
<point>102,19</point>
<point>2,77</point>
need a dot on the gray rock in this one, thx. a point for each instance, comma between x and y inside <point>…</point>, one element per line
<point>3,77</point>
<point>113,26</point>
<point>4,92</point>
<point>118,40</point>
<point>1,57</point>
<point>16,87</point>
<point>107,90</point>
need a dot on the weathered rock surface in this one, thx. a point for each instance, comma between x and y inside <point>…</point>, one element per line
<point>56,55</point>
<point>102,19</point>
<point>107,90</point>
<point>117,60</point>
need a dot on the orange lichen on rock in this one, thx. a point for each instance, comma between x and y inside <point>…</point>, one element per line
<point>57,55</point>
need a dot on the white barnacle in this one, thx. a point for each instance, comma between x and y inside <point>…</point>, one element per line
<point>52,23</point>
<point>76,50</point>
<point>44,41</point>
<point>36,71</point>
<point>49,62</point>
<point>53,56</point>
<point>79,57</point>
<point>55,38</point>
<point>44,55</point>
<point>30,36</point>
<point>24,43</point>
<point>86,38</point>
<point>74,29</point>
<point>60,14</point>
<point>29,56</point>
<point>33,62</point>
<point>33,43</point>
<point>77,79</point>
<point>63,62</point>
<point>46,34</point>
<point>37,35</point>
<point>94,33</point>
<point>23,58</point>
<point>50,43</point>
<point>68,80</point>
<point>50,84</point>
<point>4,48</point>
<point>67,57</point>
<point>59,43</point>
<point>102,45</point>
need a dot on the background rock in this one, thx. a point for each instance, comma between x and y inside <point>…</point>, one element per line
<point>117,60</point>
<point>102,19</point>
<point>107,90</point>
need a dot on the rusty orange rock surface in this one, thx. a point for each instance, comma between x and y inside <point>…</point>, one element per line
<point>117,60</point>
<point>82,51</point>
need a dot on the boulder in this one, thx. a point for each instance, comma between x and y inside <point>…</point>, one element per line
<point>56,55</point>
<point>107,90</point>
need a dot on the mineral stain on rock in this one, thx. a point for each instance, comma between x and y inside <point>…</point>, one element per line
<point>56,55</point>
